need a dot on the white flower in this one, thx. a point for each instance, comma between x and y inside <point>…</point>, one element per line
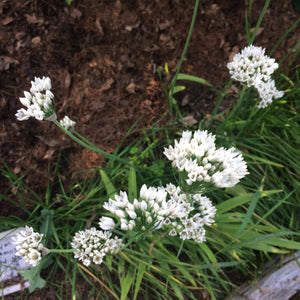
<point>204,162</point>
<point>254,68</point>
<point>22,114</point>
<point>67,123</point>
<point>29,246</point>
<point>92,245</point>
<point>107,223</point>
<point>25,101</point>
<point>165,208</point>
<point>34,257</point>
<point>39,102</point>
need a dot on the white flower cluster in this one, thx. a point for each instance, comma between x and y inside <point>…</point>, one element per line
<point>39,102</point>
<point>161,207</point>
<point>92,245</point>
<point>67,123</point>
<point>198,156</point>
<point>29,246</point>
<point>254,68</point>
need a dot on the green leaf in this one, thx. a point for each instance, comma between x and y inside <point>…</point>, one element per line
<point>139,277</point>
<point>110,189</point>
<point>236,190</point>
<point>35,280</point>
<point>46,226</point>
<point>263,160</point>
<point>192,78</point>
<point>108,262</point>
<point>249,213</point>
<point>284,243</point>
<point>176,289</point>
<point>239,200</point>
<point>233,202</point>
<point>126,282</point>
<point>132,188</point>
<point>209,253</point>
<point>69,1</point>
<point>178,89</point>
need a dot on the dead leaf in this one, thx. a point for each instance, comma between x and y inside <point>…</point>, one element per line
<point>20,34</point>
<point>67,81</point>
<point>117,8</point>
<point>49,141</point>
<point>91,219</point>
<point>49,154</point>
<point>5,62</point>
<point>107,85</point>
<point>7,20</point>
<point>131,88</point>
<point>163,26</point>
<point>234,51</point>
<point>36,40</point>
<point>190,120</point>
<point>108,62</point>
<point>185,100</point>
<point>31,19</point>
<point>99,27</point>
<point>97,105</point>
<point>77,13</point>
<point>18,45</point>
<point>259,30</point>
<point>93,64</point>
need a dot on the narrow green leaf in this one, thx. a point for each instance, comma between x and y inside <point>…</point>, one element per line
<point>176,289</point>
<point>46,226</point>
<point>132,187</point>
<point>110,189</point>
<point>263,160</point>
<point>178,89</point>
<point>192,78</point>
<point>249,213</point>
<point>284,243</point>
<point>139,277</point>
<point>233,202</point>
<point>209,253</point>
<point>236,190</point>
<point>126,284</point>
<point>108,262</point>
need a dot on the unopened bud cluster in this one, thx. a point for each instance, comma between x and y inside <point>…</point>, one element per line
<point>254,68</point>
<point>29,246</point>
<point>162,208</point>
<point>67,123</point>
<point>39,102</point>
<point>92,245</point>
<point>197,155</point>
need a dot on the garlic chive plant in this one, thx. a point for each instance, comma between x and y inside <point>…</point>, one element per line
<point>180,211</point>
<point>254,68</point>
<point>40,105</point>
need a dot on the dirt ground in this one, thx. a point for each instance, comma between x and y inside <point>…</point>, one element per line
<point>102,57</point>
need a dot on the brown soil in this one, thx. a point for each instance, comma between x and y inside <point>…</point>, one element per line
<point>102,58</point>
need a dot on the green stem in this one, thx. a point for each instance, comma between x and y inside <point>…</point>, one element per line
<point>239,103</point>
<point>182,56</point>
<point>88,145</point>
<point>61,250</point>
<point>258,22</point>
<point>218,103</point>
